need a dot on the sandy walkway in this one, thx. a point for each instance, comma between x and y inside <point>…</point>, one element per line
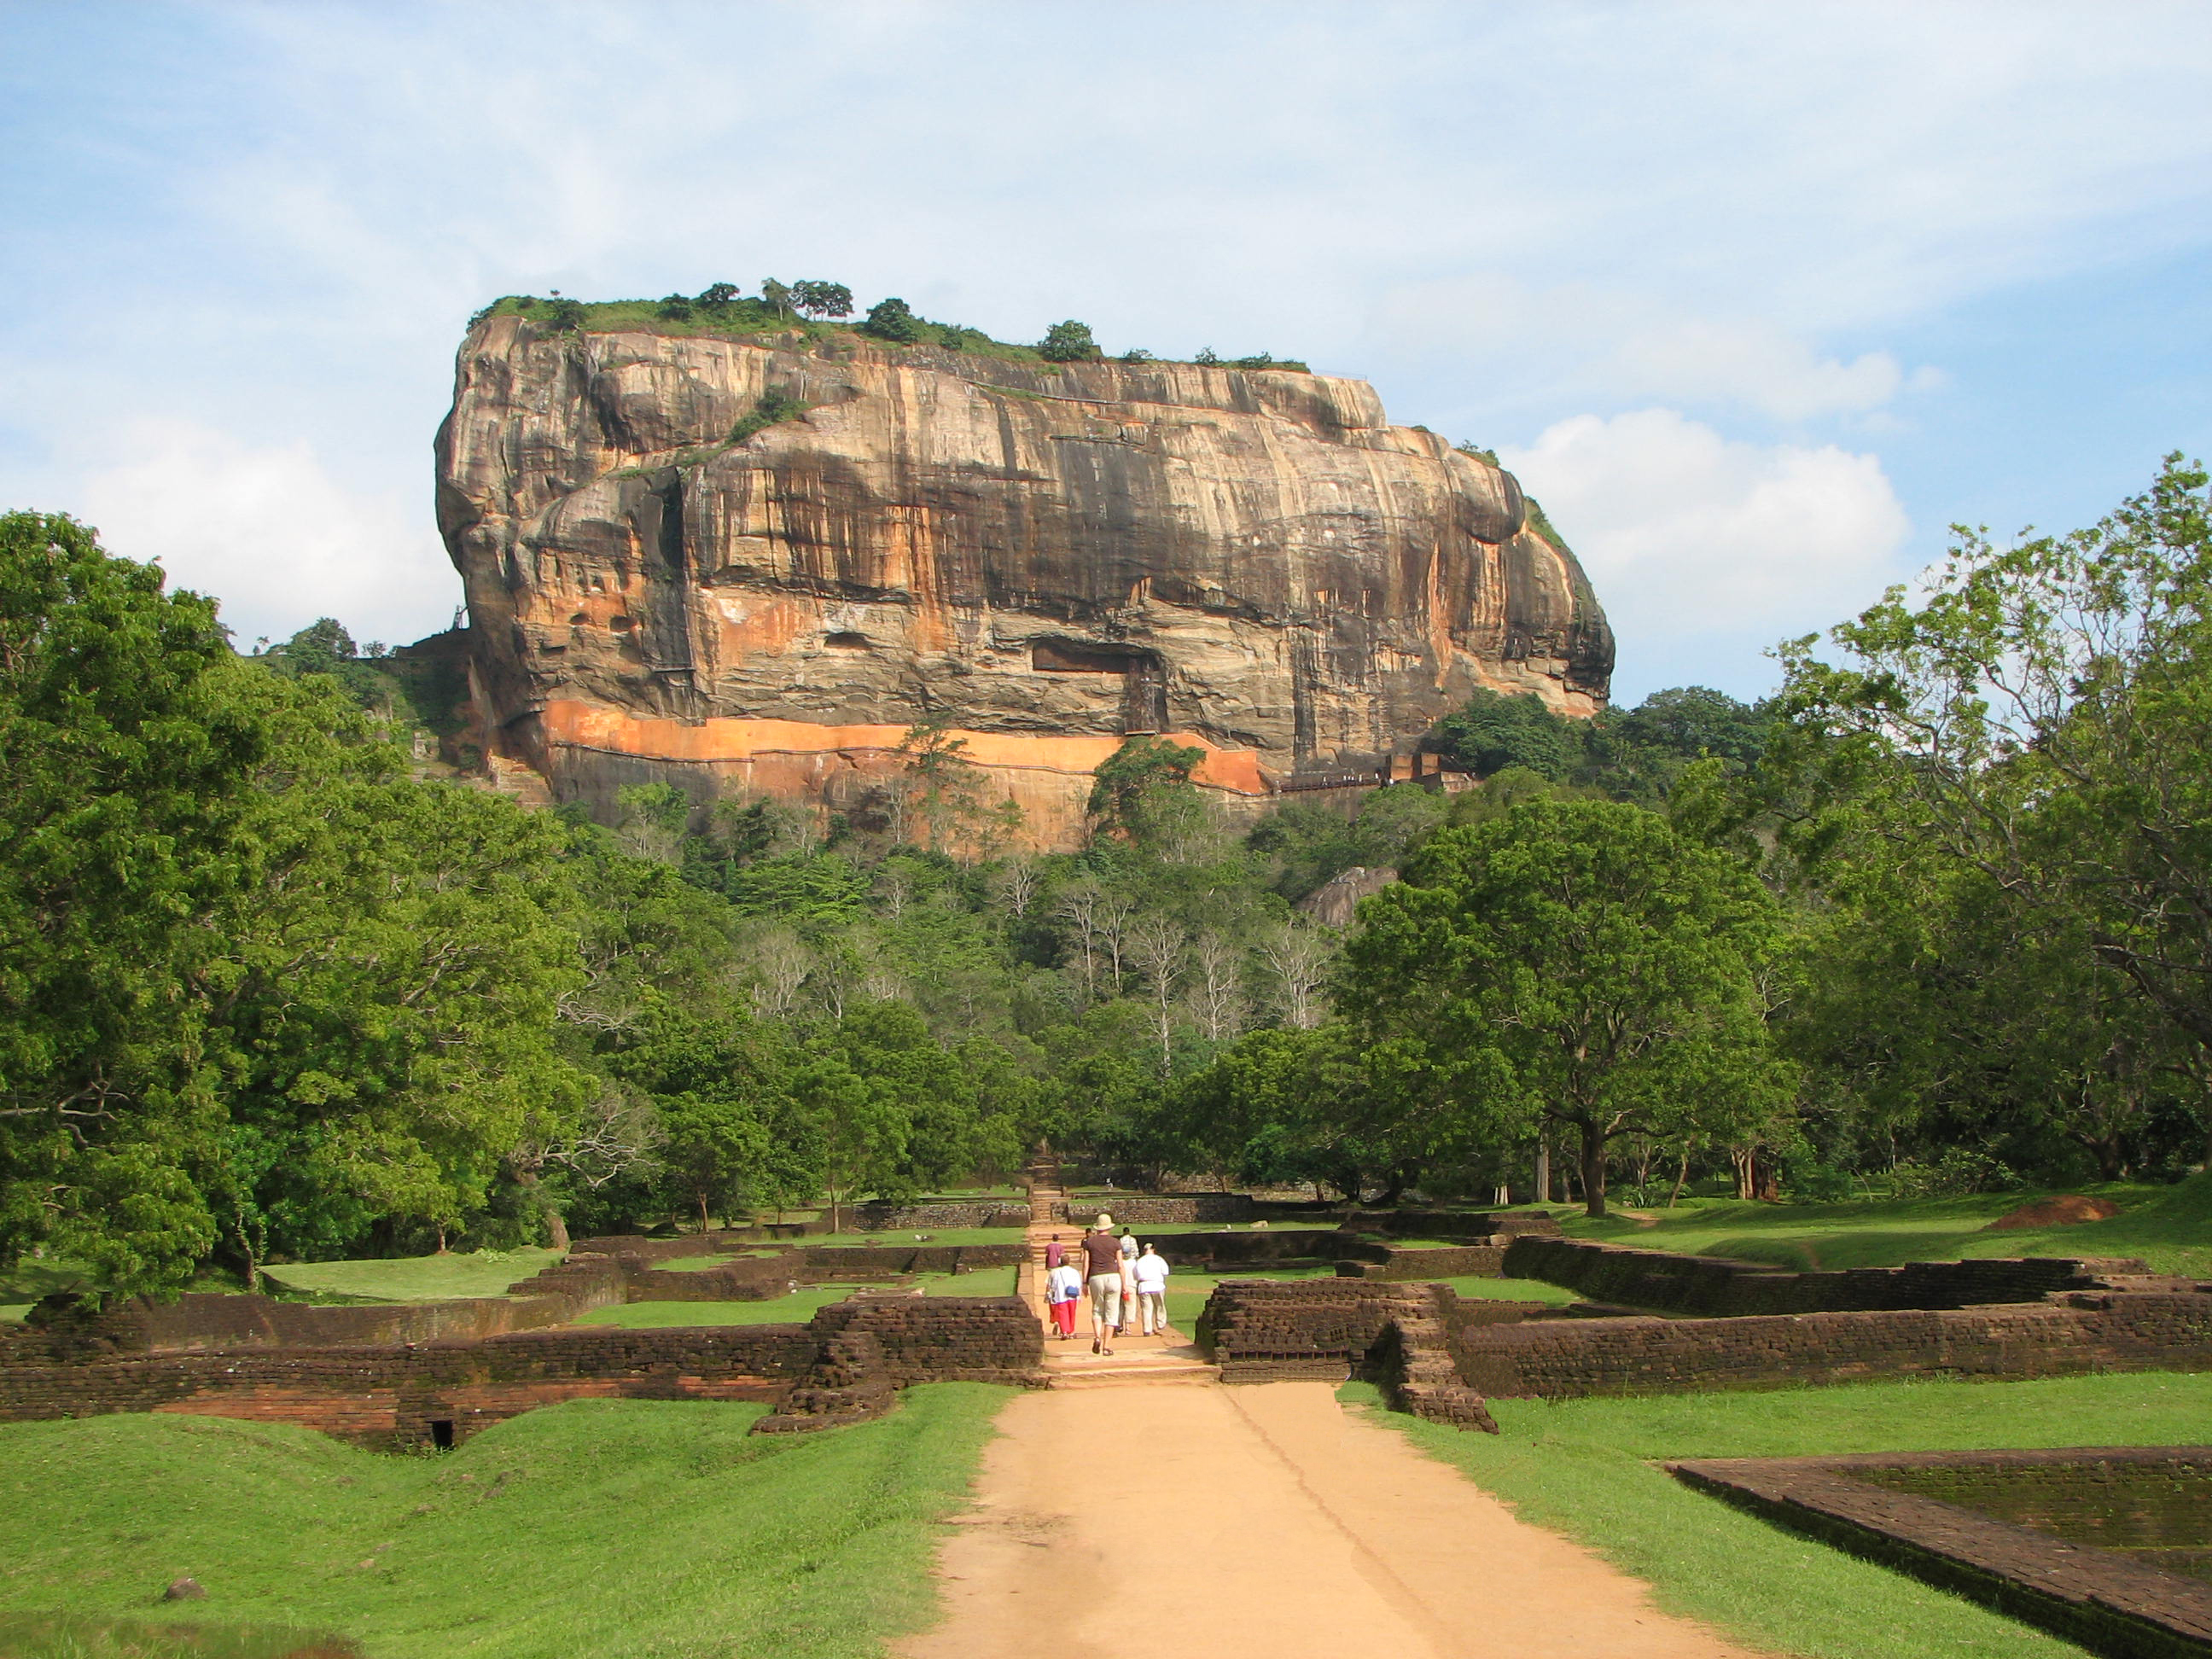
<point>1261,1523</point>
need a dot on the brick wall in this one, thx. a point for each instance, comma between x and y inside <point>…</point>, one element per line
<point>1142,1210</point>
<point>1388,1262</point>
<point>835,1261</point>
<point>376,1395</point>
<point>1717,1287</point>
<point>1568,1358</point>
<point>878,1216</point>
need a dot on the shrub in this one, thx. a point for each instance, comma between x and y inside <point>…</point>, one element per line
<point>892,320</point>
<point>1068,343</point>
<point>773,408</point>
<point>565,316</point>
<point>1206,357</point>
<point>676,307</point>
<point>1958,1171</point>
<point>1260,360</point>
<point>1136,355</point>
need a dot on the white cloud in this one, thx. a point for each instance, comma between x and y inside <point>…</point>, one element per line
<point>1609,344</point>
<point>1689,537</point>
<point>270,533</point>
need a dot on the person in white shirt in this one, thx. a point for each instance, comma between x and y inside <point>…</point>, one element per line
<point>1128,1245</point>
<point>1063,1290</point>
<point>1150,1274</point>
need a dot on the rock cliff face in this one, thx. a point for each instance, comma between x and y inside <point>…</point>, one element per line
<point>1044,559</point>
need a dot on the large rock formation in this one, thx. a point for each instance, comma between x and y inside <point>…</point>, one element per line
<point>1044,558</point>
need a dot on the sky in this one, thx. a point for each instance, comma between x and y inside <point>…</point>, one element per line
<point>1757,300</point>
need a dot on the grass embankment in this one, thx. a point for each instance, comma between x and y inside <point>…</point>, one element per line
<point>1589,1468</point>
<point>2168,1227</point>
<point>598,1526</point>
<point>416,1279</point>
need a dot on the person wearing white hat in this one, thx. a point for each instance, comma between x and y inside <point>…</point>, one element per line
<point>1102,1269</point>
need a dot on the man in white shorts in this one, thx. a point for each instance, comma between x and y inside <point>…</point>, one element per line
<point>1101,1273</point>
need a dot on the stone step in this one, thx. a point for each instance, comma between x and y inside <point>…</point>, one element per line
<point>1196,1376</point>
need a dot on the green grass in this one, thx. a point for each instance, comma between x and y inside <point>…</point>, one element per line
<point>647,1529</point>
<point>2169,1227</point>
<point>62,1636</point>
<point>416,1279</point>
<point>1589,1468</point>
<point>904,1237</point>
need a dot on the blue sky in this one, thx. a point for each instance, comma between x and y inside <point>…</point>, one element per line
<point>1757,298</point>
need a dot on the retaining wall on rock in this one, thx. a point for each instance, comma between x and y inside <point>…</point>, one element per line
<point>1719,1287</point>
<point>1555,1360</point>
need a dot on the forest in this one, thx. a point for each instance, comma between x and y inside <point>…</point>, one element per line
<point>1935,916</point>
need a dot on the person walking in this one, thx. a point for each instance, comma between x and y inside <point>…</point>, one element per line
<point>1102,1270</point>
<point>1128,1247</point>
<point>1063,1290</point>
<point>1150,1274</point>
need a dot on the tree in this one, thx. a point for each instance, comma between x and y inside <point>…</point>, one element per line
<point>892,320</point>
<point>818,299</point>
<point>127,766</point>
<point>777,297</point>
<point>711,1144</point>
<point>1143,793</point>
<point>2042,718</point>
<point>675,308</point>
<point>1068,343</point>
<point>719,296</point>
<point>1157,942</point>
<point>1576,961</point>
<point>1495,731</point>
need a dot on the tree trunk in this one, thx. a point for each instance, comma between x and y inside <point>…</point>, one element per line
<point>556,1229</point>
<point>1681,1177</point>
<point>1544,1168</point>
<point>1593,1171</point>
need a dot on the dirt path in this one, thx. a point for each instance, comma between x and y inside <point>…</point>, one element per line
<point>1261,1523</point>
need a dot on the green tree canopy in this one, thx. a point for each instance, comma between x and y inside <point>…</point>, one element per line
<point>1068,343</point>
<point>1571,961</point>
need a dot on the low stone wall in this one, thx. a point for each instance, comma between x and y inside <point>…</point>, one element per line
<point>1142,1210</point>
<point>439,1392</point>
<point>1388,1262</point>
<point>1718,1287</point>
<point>1327,1330</point>
<point>1500,1224</point>
<point>2107,1601</point>
<point>1568,1358</point>
<point>835,1261</point>
<point>878,1216</point>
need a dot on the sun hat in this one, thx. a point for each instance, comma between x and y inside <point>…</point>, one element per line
<point>1104,1221</point>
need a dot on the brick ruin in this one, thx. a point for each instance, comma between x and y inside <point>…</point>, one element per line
<point>2108,1547</point>
<point>843,1366</point>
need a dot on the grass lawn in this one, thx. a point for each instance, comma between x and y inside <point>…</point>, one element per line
<point>1589,1468</point>
<point>2169,1227</point>
<point>418,1278</point>
<point>647,1529</point>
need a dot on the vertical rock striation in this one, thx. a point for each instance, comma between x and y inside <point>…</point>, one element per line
<point>1043,558</point>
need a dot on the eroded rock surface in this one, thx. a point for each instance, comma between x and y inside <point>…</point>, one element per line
<point>1047,559</point>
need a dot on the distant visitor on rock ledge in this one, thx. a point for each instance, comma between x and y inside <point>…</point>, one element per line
<point>755,563</point>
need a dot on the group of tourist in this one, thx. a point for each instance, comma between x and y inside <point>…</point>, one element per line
<point>1128,1282</point>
